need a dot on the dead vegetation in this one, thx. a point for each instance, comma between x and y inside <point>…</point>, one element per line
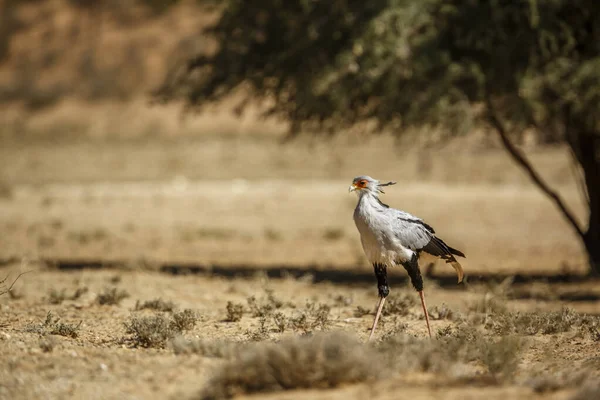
<point>156,304</point>
<point>58,296</point>
<point>3,289</point>
<point>319,361</point>
<point>545,323</point>
<point>155,330</point>
<point>234,312</point>
<point>326,360</point>
<point>111,296</point>
<point>53,326</point>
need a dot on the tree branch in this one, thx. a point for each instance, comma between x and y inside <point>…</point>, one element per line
<point>520,159</point>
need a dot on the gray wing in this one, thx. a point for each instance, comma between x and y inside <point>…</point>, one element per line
<point>418,236</point>
<point>411,231</point>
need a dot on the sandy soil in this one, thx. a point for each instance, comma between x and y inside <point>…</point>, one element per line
<point>100,364</point>
<point>297,216</point>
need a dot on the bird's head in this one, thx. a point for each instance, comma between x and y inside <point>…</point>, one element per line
<point>366,184</point>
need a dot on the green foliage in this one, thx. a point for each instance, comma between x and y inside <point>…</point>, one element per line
<point>332,64</point>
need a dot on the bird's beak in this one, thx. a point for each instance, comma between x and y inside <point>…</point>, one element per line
<point>351,188</point>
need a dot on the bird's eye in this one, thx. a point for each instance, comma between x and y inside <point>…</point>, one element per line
<point>363,183</point>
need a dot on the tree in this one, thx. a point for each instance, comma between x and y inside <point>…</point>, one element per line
<point>328,64</point>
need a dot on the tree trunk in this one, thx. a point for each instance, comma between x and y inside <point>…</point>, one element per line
<point>586,147</point>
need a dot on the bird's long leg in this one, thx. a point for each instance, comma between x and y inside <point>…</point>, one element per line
<point>412,267</point>
<point>422,296</point>
<point>383,289</point>
<point>377,315</point>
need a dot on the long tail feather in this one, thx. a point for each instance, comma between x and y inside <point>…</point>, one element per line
<point>459,271</point>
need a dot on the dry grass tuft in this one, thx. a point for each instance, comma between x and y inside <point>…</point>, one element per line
<point>234,312</point>
<point>545,323</point>
<point>589,391</point>
<point>184,320</point>
<point>156,304</point>
<point>57,297</point>
<point>399,303</point>
<point>320,361</point>
<point>205,348</point>
<point>443,356</point>
<point>111,296</point>
<point>361,312</point>
<point>154,331</point>
<point>311,317</point>
<point>4,289</point>
<point>265,306</point>
<point>53,326</point>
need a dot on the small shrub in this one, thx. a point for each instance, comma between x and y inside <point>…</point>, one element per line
<point>111,296</point>
<point>588,391</point>
<point>545,323</point>
<point>313,316</point>
<point>407,353</point>
<point>234,312</point>
<point>399,304</point>
<point>184,320</point>
<point>320,361</point>
<point>205,348</point>
<point>361,312</point>
<point>57,297</point>
<point>445,331</point>
<point>156,330</point>
<point>266,305</point>
<point>53,326</point>
<point>150,331</point>
<point>280,321</point>
<point>442,312</point>
<point>156,304</point>
<point>502,356</point>
<point>261,332</point>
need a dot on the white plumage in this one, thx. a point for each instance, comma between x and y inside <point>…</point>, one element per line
<point>392,237</point>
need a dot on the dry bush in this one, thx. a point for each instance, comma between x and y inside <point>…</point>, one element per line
<point>184,320</point>
<point>156,304</point>
<point>57,297</point>
<point>399,303</point>
<point>156,330</point>
<point>545,323</point>
<point>319,361</point>
<point>261,332</point>
<point>53,326</point>
<point>588,392</point>
<point>111,296</point>
<point>443,312</point>
<point>266,305</point>
<point>205,348</point>
<point>442,356</point>
<point>546,382</point>
<point>234,312</point>
<point>361,312</point>
<point>311,317</point>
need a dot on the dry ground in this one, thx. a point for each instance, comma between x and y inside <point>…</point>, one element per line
<point>247,204</point>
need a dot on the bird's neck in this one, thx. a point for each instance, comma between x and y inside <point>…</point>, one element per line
<point>370,199</point>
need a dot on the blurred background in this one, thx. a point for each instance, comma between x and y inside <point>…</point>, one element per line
<point>94,170</point>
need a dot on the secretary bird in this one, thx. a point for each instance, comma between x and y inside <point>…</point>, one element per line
<point>392,237</point>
